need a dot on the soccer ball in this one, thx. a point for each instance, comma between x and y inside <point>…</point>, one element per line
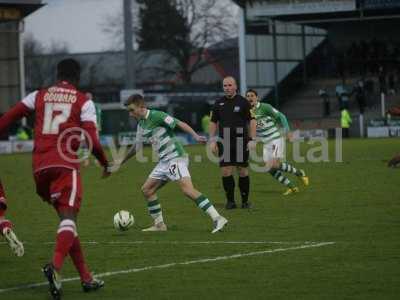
<point>123,220</point>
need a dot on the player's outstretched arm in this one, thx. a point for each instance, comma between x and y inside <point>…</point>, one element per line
<point>97,150</point>
<point>253,128</point>
<point>284,122</point>
<point>116,165</point>
<point>212,131</point>
<point>131,153</point>
<point>136,148</point>
<point>186,128</point>
<point>14,114</point>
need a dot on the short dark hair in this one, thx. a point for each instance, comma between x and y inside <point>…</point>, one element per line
<point>136,99</point>
<point>69,69</point>
<point>252,91</point>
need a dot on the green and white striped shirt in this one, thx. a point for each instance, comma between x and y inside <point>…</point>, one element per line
<point>158,128</point>
<point>267,119</point>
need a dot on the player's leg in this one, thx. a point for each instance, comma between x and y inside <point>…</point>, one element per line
<point>68,217</point>
<point>186,185</point>
<point>285,166</point>
<point>244,185</point>
<point>272,159</point>
<point>62,187</point>
<point>228,182</point>
<point>242,161</point>
<point>178,171</point>
<point>289,168</point>
<point>6,226</point>
<point>395,161</point>
<point>300,173</point>
<point>273,167</point>
<point>43,180</point>
<point>149,190</point>
<point>227,154</point>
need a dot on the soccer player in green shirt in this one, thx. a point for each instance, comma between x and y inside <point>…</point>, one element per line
<point>158,127</point>
<point>269,124</point>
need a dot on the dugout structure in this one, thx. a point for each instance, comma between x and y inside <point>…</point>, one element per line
<point>12,14</point>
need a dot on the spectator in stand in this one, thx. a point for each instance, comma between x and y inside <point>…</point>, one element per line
<point>364,58</point>
<point>340,66</point>
<point>325,98</point>
<point>342,95</point>
<point>359,92</point>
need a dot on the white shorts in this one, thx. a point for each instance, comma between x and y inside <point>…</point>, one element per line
<point>275,149</point>
<point>172,170</point>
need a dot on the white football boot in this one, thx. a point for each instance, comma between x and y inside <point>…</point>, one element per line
<point>219,223</point>
<point>16,246</point>
<point>157,227</point>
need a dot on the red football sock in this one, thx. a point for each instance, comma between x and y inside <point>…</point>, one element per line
<point>2,212</point>
<point>4,224</point>
<point>76,254</point>
<point>65,238</point>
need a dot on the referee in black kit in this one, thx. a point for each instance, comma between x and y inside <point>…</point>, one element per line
<point>232,116</point>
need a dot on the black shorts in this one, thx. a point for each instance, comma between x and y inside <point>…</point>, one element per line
<point>235,153</point>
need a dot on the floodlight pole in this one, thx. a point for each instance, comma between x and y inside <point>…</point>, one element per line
<point>383,100</point>
<point>22,87</point>
<point>361,120</point>
<point>242,50</point>
<point>304,53</point>
<point>128,39</point>
<point>275,54</point>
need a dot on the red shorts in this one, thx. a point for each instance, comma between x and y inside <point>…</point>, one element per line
<point>61,187</point>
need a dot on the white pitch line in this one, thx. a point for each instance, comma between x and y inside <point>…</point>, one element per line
<point>173,264</point>
<point>176,242</point>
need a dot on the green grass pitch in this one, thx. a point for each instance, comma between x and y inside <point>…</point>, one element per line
<point>355,204</point>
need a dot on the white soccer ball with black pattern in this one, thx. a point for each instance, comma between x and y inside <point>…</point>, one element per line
<point>123,220</point>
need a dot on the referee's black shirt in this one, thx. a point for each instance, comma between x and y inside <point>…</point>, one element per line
<point>233,114</point>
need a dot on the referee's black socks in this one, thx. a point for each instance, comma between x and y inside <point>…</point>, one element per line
<point>229,186</point>
<point>244,186</point>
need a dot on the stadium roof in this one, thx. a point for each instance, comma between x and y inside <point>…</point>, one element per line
<point>242,3</point>
<point>18,9</point>
<point>363,11</point>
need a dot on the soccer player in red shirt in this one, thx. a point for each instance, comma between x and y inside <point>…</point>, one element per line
<point>62,114</point>
<point>6,226</point>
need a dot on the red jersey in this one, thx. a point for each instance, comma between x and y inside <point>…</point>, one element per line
<point>62,115</point>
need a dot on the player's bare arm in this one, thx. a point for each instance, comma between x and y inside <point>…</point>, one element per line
<point>186,128</point>
<point>136,147</point>
<point>253,133</point>
<point>286,128</point>
<point>212,129</point>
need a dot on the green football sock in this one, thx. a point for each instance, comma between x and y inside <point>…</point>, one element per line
<point>278,175</point>
<point>205,204</point>
<point>154,208</point>
<point>286,167</point>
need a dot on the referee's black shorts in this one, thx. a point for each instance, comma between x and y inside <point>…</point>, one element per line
<point>234,153</point>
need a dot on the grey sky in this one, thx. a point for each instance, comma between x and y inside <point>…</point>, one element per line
<point>76,22</point>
